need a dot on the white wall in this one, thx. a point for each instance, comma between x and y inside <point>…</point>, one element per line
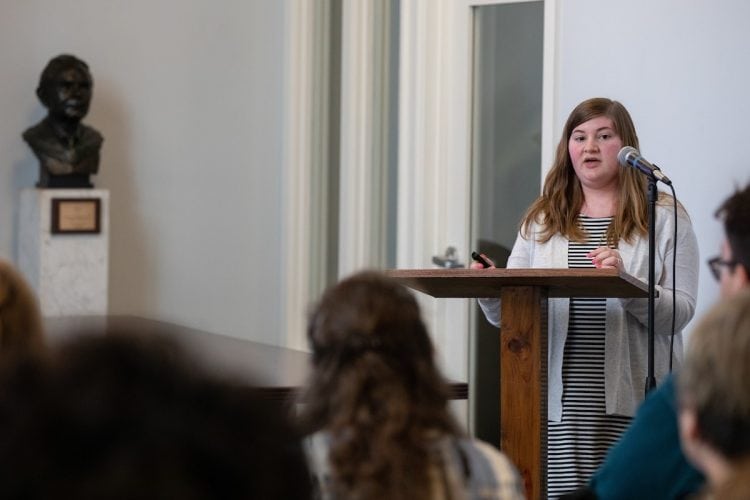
<point>189,97</point>
<point>682,70</point>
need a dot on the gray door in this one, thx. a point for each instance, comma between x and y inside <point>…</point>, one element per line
<point>506,156</point>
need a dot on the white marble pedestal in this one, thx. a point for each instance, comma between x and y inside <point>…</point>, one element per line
<point>69,271</point>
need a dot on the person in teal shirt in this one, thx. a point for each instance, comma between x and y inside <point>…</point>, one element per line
<point>648,462</point>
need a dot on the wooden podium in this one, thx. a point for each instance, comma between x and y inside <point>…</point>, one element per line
<point>523,342</point>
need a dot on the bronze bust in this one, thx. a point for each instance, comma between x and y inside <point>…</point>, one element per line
<point>68,150</point>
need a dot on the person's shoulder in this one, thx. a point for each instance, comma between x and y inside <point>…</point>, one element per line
<point>484,448</point>
<point>669,212</point>
<point>531,228</point>
<point>666,205</point>
<point>318,441</point>
<point>664,396</point>
<point>492,469</point>
<point>668,386</point>
<point>497,459</point>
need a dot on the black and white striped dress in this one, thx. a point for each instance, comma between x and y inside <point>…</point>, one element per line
<point>578,444</point>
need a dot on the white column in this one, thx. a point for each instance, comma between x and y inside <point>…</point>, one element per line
<point>306,162</point>
<point>365,64</point>
<point>434,156</point>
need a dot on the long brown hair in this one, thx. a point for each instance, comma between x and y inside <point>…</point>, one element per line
<point>557,209</point>
<point>375,389</point>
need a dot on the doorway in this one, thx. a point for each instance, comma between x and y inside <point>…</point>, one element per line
<point>506,154</point>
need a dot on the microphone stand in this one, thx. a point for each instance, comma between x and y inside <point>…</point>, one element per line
<point>652,196</point>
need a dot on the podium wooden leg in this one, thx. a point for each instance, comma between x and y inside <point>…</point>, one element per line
<point>523,384</point>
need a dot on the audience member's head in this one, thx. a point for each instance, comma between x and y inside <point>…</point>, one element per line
<point>714,390</point>
<point>375,388</point>
<point>20,317</point>
<point>131,416</point>
<point>732,267</point>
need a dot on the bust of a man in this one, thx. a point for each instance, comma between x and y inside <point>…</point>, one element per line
<point>68,150</point>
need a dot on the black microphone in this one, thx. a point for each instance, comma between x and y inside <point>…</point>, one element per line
<point>629,156</point>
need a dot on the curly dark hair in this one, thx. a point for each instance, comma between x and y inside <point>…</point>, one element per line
<point>375,389</point>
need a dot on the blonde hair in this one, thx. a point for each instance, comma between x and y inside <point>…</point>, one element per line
<point>557,209</point>
<point>715,378</point>
<point>20,316</point>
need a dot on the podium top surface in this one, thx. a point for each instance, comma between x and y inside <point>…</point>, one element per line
<point>482,283</point>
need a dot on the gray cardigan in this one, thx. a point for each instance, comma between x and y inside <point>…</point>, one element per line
<point>626,343</point>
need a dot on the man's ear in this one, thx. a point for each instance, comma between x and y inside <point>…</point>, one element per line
<point>690,436</point>
<point>688,422</point>
<point>743,275</point>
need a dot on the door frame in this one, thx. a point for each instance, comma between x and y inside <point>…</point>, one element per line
<point>435,104</point>
<point>434,163</point>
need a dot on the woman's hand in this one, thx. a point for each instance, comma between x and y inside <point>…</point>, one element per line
<point>607,258</point>
<point>479,265</point>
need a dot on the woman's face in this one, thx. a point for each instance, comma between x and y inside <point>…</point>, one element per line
<point>593,148</point>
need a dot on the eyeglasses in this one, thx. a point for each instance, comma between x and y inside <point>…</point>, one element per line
<point>717,263</point>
